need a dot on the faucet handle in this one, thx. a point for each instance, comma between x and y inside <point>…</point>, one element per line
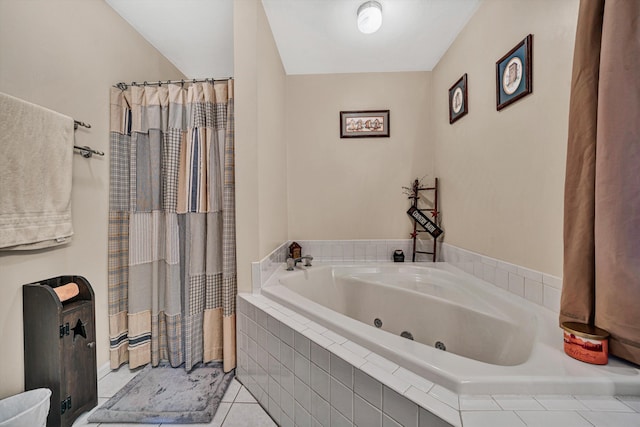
<point>307,260</point>
<point>290,264</point>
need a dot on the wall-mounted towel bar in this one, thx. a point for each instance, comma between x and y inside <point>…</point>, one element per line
<point>85,151</point>
<point>77,123</point>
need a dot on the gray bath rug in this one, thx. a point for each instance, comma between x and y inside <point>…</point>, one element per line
<point>167,395</point>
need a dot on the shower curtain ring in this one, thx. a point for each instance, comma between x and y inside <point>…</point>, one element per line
<point>145,83</point>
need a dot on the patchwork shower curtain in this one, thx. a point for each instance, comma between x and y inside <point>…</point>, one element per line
<point>172,266</point>
<point>601,283</point>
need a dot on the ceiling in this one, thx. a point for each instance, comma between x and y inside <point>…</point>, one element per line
<point>313,36</point>
<point>195,35</point>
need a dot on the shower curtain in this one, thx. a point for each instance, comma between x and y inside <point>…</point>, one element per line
<point>601,283</point>
<point>172,265</point>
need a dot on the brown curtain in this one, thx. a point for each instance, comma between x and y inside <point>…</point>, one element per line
<point>602,188</point>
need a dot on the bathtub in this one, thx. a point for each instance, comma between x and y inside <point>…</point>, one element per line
<point>448,327</point>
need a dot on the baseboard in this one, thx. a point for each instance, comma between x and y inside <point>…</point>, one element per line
<point>103,371</point>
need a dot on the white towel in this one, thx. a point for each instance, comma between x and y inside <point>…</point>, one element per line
<point>36,149</point>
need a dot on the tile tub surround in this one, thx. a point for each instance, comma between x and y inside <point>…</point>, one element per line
<point>512,346</point>
<point>540,288</point>
<point>332,251</point>
<point>304,374</point>
<point>474,411</point>
<point>262,270</point>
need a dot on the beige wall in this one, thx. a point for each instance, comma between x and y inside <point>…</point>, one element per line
<point>261,204</point>
<point>295,177</point>
<point>504,170</point>
<point>352,188</point>
<point>502,173</point>
<point>65,55</point>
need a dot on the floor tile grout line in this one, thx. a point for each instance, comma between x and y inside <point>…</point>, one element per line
<point>227,414</point>
<point>583,417</point>
<point>518,416</point>
<point>236,394</point>
<point>625,404</point>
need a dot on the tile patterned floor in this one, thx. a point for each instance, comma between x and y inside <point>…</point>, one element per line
<point>237,409</point>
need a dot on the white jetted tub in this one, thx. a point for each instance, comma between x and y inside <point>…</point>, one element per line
<point>459,331</point>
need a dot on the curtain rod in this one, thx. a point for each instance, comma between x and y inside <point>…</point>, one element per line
<point>123,85</point>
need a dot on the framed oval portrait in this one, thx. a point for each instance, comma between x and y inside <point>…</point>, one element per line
<point>514,74</point>
<point>458,106</point>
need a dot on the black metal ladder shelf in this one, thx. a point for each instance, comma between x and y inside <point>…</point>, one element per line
<point>414,196</point>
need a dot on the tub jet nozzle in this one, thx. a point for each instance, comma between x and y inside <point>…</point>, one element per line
<point>408,335</point>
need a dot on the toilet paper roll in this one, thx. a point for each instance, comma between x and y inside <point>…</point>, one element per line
<point>66,292</point>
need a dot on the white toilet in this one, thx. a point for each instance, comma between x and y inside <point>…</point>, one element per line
<point>25,409</point>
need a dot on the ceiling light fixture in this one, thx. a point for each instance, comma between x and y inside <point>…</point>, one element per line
<point>369,17</point>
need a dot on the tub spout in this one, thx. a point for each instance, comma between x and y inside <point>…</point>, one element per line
<point>292,262</point>
<point>307,260</point>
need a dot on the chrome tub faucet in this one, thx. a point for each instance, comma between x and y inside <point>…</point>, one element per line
<point>292,262</point>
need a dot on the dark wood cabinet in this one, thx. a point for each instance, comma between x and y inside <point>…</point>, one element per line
<point>60,347</point>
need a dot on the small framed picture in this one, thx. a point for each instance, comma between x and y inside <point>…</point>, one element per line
<point>514,74</point>
<point>458,99</point>
<point>364,124</point>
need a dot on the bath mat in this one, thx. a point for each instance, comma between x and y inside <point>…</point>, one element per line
<point>167,395</point>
